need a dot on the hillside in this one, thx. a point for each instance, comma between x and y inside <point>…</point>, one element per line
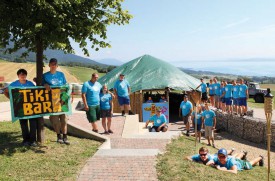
<point>9,69</point>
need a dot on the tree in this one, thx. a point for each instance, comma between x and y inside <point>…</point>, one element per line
<point>40,24</point>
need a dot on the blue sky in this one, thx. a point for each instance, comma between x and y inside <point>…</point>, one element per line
<point>184,30</point>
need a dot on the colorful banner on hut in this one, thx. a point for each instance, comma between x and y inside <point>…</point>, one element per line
<point>33,102</point>
<point>149,109</point>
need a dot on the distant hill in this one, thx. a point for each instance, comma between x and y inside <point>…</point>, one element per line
<point>110,61</point>
<point>58,54</point>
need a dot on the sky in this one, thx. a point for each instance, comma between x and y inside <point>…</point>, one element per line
<point>184,30</point>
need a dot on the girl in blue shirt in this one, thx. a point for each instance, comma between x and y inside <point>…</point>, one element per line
<point>198,120</point>
<point>106,109</point>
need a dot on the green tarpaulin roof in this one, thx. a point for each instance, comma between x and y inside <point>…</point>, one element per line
<point>147,73</point>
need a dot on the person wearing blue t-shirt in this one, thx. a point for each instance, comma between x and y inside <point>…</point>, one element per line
<point>149,100</point>
<point>209,122</point>
<point>90,97</point>
<point>222,99</point>
<point>56,78</point>
<point>228,97</point>
<point>159,122</point>
<point>198,117</point>
<point>231,164</point>
<point>243,96</point>
<point>217,93</point>
<point>162,99</point>
<point>204,96</point>
<point>203,156</point>
<point>185,111</point>
<point>28,132</point>
<point>211,92</point>
<point>235,95</point>
<point>122,91</point>
<point>106,109</point>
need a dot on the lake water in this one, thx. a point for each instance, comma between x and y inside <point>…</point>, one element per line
<point>250,68</point>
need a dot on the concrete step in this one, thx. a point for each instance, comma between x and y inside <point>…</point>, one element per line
<point>127,152</point>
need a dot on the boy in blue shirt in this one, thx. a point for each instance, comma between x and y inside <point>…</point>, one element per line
<point>209,121</point>
<point>235,96</point>
<point>217,93</point>
<point>28,134</point>
<point>159,122</point>
<point>204,96</point>
<point>56,78</point>
<point>185,111</point>
<point>243,96</point>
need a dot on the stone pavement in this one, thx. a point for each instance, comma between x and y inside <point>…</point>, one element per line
<point>131,156</point>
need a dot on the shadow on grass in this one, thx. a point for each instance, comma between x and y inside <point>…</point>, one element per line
<point>10,143</point>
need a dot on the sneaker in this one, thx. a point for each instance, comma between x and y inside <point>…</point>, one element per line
<point>95,130</point>
<point>232,150</point>
<point>261,162</point>
<point>131,113</point>
<point>213,145</point>
<point>244,155</point>
<point>110,131</point>
<point>59,139</point>
<point>33,144</point>
<point>65,140</point>
<point>208,144</point>
<point>26,143</point>
<point>123,113</point>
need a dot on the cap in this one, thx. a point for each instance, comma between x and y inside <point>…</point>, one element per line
<point>222,151</point>
<point>53,60</point>
<point>201,78</point>
<point>185,96</point>
<point>121,74</point>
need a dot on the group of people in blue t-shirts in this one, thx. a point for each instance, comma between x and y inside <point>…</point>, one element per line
<point>225,160</point>
<point>162,99</point>
<point>229,97</point>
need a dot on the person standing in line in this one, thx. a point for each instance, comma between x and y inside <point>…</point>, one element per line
<point>209,122</point>
<point>204,96</point>
<point>185,111</point>
<point>106,109</point>
<point>198,119</point>
<point>217,87</point>
<point>211,93</point>
<point>28,132</point>
<point>90,97</point>
<point>228,98</point>
<point>243,96</point>
<point>56,78</point>
<point>122,91</point>
<point>235,96</point>
<point>222,98</point>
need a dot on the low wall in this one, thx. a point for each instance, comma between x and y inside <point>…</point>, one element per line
<point>247,127</point>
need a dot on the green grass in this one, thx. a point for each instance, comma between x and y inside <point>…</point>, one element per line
<point>82,73</point>
<point>49,162</point>
<point>251,103</point>
<point>172,165</point>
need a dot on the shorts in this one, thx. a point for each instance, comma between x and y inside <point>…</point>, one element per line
<point>93,114</point>
<point>244,164</point>
<point>105,113</point>
<point>222,99</point>
<point>242,101</point>
<point>58,121</point>
<point>228,101</point>
<point>217,98</point>
<point>155,128</point>
<point>186,119</point>
<point>123,100</point>
<point>209,132</point>
<point>236,101</point>
<point>198,127</point>
<point>211,95</point>
<point>204,96</point>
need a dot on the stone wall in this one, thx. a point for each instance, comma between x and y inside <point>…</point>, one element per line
<point>247,127</point>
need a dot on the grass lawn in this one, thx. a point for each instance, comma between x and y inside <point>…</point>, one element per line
<point>49,162</point>
<point>172,165</point>
<point>82,73</point>
<point>251,103</point>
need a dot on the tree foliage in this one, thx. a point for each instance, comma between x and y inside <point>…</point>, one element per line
<point>54,22</point>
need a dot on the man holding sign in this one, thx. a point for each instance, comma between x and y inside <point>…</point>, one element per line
<point>28,134</point>
<point>56,78</point>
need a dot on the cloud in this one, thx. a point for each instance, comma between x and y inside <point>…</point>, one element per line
<point>263,32</point>
<point>236,23</point>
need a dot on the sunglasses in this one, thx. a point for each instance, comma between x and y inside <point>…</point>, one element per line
<point>203,154</point>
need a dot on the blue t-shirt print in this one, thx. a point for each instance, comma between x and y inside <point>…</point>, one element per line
<point>158,120</point>
<point>57,79</point>
<point>122,88</point>
<point>242,90</point>
<point>209,117</point>
<point>199,116</point>
<point>92,91</point>
<point>18,84</point>
<point>185,107</point>
<point>105,101</point>
<point>203,87</point>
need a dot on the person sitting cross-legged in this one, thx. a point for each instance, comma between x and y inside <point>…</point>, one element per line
<point>233,165</point>
<point>159,122</point>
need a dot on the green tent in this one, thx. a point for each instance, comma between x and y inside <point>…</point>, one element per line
<point>149,73</point>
